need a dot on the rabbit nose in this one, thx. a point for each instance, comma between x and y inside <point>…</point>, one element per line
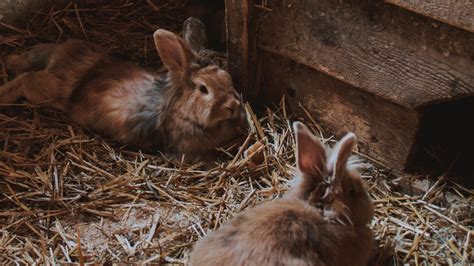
<point>233,106</point>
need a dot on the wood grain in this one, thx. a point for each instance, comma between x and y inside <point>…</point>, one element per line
<point>385,131</point>
<point>240,41</point>
<point>393,55</point>
<point>458,13</point>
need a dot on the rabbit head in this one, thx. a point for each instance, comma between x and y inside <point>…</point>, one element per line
<point>328,179</point>
<point>204,94</point>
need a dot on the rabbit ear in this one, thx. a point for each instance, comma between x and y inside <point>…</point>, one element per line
<point>194,34</point>
<point>341,154</point>
<point>310,152</point>
<point>173,51</point>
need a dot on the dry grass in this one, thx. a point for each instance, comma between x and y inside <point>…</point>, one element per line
<point>69,195</point>
<point>125,27</point>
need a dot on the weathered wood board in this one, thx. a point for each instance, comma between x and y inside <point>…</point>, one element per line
<point>458,13</point>
<point>362,46</point>
<point>342,108</point>
<point>240,42</point>
<point>365,66</point>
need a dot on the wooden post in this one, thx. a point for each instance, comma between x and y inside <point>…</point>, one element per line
<point>241,43</point>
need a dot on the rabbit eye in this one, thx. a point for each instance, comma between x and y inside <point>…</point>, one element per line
<point>203,89</point>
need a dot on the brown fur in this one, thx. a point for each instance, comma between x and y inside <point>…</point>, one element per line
<point>171,113</point>
<point>305,227</point>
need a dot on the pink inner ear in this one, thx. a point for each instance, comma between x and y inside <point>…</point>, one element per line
<point>310,152</point>
<point>342,153</point>
<point>307,164</point>
<point>173,52</point>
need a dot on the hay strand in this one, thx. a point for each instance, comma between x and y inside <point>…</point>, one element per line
<point>69,195</point>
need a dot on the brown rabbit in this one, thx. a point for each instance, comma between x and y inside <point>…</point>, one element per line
<point>190,110</point>
<point>322,220</point>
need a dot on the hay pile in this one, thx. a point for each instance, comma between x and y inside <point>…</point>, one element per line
<point>69,195</point>
<point>125,27</point>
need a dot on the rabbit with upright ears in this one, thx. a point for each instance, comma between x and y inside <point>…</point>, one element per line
<point>190,110</point>
<point>322,220</point>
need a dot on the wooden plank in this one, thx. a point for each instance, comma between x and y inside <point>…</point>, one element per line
<point>386,131</point>
<point>240,42</point>
<point>379,48</point>
<point>457,13</point>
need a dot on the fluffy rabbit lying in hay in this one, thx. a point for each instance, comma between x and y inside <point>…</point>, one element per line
<point>190,110</point>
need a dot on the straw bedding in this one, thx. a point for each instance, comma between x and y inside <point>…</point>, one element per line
<point>70,195</point>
